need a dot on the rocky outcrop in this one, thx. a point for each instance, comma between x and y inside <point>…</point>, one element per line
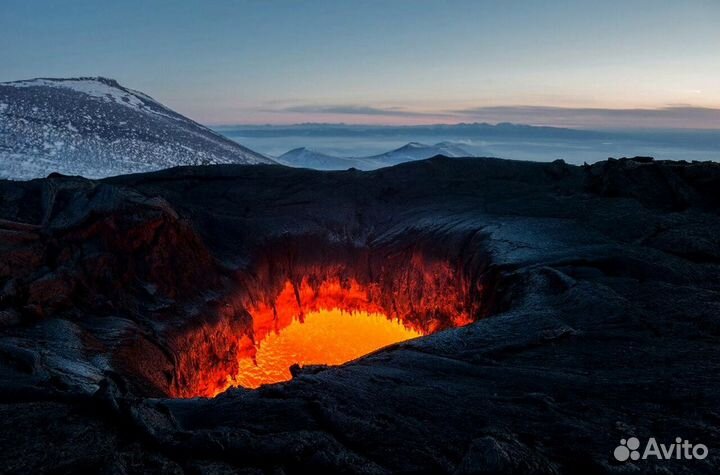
<point>673,186</point>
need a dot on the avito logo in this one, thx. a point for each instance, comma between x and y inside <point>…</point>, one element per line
<point>680,450</point>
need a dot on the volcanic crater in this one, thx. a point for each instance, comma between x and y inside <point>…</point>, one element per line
<point>524,317</point>
<point>357,299</point>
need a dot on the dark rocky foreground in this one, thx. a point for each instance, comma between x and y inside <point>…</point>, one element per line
<point>596,290</point>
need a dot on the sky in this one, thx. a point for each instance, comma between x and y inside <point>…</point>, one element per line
<point>574,63</point>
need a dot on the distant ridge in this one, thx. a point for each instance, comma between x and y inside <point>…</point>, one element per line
<point>470,129</point>
<point>306,158</point>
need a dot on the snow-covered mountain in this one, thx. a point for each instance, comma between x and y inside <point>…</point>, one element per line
<point>418,151</point>
<point>95,127</point>
<point>306,158</point>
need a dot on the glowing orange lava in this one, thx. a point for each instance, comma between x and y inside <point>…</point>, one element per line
<point>324,337</point>
<point>312,321</point>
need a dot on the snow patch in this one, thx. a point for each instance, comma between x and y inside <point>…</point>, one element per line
<point>92,87</point>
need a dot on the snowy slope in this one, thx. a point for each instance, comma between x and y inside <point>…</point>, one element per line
<point>306,158</point>
<point>95,127</point>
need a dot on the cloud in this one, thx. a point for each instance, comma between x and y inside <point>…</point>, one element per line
<point>674,116</point>
<point>350,109</point>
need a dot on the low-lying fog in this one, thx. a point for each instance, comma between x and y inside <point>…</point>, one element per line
<point>519,142</point>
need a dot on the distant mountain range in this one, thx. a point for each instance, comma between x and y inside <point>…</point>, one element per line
<point>474,129</point>
<point>95,127</point>
<point>506,140</point>
<point>307,158</point>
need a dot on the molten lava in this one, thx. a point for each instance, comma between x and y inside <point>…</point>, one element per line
<point>330,323</point>
<point>315,320</point>
<point>323,337</point>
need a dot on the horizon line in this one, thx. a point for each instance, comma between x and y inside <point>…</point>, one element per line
<point>579,128</point>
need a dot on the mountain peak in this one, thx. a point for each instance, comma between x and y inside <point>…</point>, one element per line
<point>103,88</point>
<point>65,82</point>
<point>308,158</point>
<point>95,127</point>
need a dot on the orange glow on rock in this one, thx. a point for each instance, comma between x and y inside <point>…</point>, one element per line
<point>294,301</point>
<point>313,321</point>
<point>324,337</point>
